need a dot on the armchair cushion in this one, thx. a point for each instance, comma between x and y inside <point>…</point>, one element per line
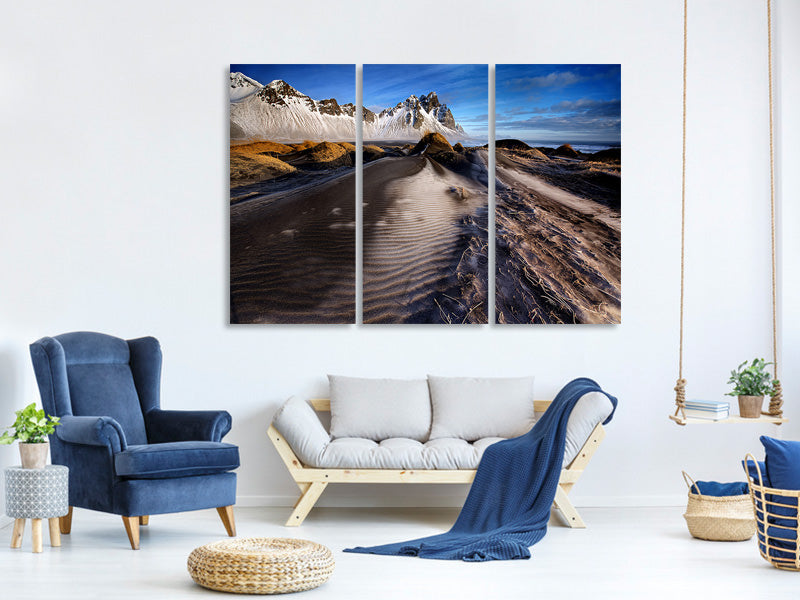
<point>92,431</point>
<point>186,425</point>
<point>176,459</point>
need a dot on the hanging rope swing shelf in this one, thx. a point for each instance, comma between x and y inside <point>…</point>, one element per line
<point>775,412</point>
<point>765,418</point>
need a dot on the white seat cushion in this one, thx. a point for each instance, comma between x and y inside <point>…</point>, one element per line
<point>302,429</point>
<point>403,453</point>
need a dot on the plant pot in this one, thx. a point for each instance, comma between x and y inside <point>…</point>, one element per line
<point>750,406</point>
<point>34,456</point>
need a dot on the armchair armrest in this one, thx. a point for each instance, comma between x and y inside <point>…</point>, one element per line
<point>302,429</point>
<point>186,425</point>
<point>92,431</point>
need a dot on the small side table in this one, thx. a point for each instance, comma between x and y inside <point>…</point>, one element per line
<point>37,494</point>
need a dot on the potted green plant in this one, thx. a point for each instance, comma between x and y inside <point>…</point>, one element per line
<point>31,430</point>
<point>751,382</point>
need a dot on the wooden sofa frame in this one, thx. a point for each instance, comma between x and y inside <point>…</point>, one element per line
<point>312,481</point>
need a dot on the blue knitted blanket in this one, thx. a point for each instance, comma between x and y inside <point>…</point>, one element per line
<point>508,505</point>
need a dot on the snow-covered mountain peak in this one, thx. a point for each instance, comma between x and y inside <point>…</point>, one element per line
<point>429,100</point>
<point>242,86</point>
<point>283,88</point>
<point>414,116</point>
<point>279,92</point>
<point>241,80</point>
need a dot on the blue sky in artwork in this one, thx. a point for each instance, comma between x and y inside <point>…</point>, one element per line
<point>316,81</point>
<point>558,103</point>
<point>464,88</point>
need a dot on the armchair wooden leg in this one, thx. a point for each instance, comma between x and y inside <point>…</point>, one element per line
<point>65,522</point>
<point>226,514</point>
<point>132,529</point>
<point>306,503</point>
<point>144,520</point>
<point>568,511</point>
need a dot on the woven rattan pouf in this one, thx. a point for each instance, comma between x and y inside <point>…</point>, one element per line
<point>261,565</point>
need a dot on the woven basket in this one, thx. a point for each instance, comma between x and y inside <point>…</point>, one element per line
<point>261,565</point>
<point>719,518</point>
<point>776,518</point>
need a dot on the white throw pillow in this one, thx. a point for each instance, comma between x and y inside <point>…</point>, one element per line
<point>471,408</point>
<point>378,409</point>
<point>304,432</point>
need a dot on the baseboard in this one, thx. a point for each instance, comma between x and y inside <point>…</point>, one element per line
<point>448,501</point>
<point>629,501</point>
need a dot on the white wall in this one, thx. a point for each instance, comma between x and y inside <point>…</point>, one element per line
<point>788,149</point>
<point>113,170</point>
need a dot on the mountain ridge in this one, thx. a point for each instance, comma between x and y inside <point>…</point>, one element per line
<point>277,110</point>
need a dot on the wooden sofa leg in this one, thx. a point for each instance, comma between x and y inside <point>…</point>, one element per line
<point>568,511</point>
<point>132,529</point>
<point>144,520</point>
<point>65,522</point>
<point>303,489</point>
<point>306,503</point>
<point>226,514</point>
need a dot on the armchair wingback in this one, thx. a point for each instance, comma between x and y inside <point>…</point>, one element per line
<point>126,455</point>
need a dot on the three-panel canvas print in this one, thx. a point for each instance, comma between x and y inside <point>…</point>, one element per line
<point>425,141</point>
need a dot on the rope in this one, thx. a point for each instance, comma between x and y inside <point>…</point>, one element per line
<point>680,385</point>
<point>776,401</point>
<point>680,399</point>
<point>777,392</point>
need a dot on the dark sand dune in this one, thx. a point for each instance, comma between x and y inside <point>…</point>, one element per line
<point>293,250</point>
<point>425,242</point>
<point>557,241</point>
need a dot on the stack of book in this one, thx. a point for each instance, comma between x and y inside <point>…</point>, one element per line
<point>702,409</point>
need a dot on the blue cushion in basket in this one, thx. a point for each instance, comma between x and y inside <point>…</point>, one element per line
<point>753,472</point>
<point>714,488</point>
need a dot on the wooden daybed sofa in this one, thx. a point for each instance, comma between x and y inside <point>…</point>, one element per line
<point>305,447</point>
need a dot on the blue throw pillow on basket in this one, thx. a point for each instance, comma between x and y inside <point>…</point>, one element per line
<point>783,463</point>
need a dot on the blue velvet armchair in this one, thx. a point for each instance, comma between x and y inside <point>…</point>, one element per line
<point>125,455</point>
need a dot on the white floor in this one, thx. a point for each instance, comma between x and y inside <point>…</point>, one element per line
<point>624,553</point>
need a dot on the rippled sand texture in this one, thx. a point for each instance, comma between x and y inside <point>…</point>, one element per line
<point>425,241</point>
<point>293,250</point>
<point>557,240</point>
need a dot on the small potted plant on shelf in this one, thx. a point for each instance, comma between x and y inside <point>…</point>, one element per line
<point>750,383</point>
<point>31,430</point>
